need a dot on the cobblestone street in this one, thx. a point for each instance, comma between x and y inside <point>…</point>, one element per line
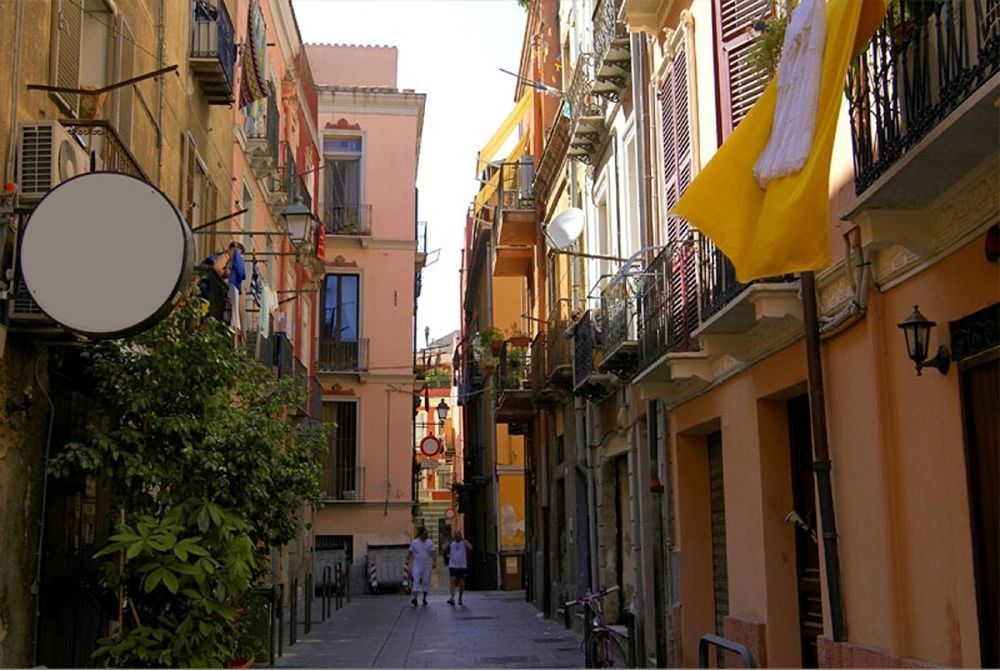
<point>495,629</point>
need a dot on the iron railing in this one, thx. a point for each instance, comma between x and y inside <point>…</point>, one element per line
<point>607,28</point>
<point>925,60</point>
<point>100,135</point>
<point>348,219</point>
<point>654,309</point>
<point>538,361</point>
<point>269,130</point>
<point>717,283</point>
<point>340,356</point>
<point>285,180</point>
<point>213,38</point>
<point>284,355</point>
<point>557,347</point>
<point>514,369</point>
<point>618,318</point>
<point>584,343</point>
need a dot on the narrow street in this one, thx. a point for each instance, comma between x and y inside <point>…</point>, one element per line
<point>494,629</point>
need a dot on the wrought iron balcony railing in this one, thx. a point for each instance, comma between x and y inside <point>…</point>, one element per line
<point>213,50</point>
<point>586,111</point>
<point>100,136</point>
<point>618,319</point>
<point>718,285</point>
<point>267,132</point>
<point>340,356</point>
<point>284,355</point>
<point>283,184</point>
<point>611,49</point>
<point>668,305</point>
<point>584,343</point>
<point>927,58</point>
<point>348,220</point>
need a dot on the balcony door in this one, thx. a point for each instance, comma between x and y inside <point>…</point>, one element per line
<point>344,213</point>
<point>338,342</point>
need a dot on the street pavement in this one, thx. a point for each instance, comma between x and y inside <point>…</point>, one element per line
<point>493,629</point>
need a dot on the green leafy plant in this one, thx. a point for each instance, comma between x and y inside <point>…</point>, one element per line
<point>198,452</point>
<point>764,54</point>
<point>438,378</point>
<point>483,345</point>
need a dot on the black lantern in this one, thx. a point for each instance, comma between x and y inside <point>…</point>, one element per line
<point>917,331</point>
<point>442,410</point>
<point>300,221</point>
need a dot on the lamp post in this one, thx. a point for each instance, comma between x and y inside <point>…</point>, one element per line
<point>442,412</point>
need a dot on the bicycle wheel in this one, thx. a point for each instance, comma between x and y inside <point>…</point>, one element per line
<point>606,650</point>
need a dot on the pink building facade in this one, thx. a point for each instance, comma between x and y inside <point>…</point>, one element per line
<point>364,323</point>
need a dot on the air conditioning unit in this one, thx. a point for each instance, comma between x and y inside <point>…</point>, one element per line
<point>46,156</point>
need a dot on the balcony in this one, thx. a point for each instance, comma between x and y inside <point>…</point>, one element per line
<point>553,155</point>
<point>618,329</point>
<point>588,129</point>
<point>742,320</point>
<point>516,231</point>
<point>213,51</point>
<point>282,184</point>
<point>922,101</point>
<point>284,355</point>
<point>348,220</point>
<point>587,380</point>
<point>514,385</point>
<point>262,136</point>
<point>342,357</point>
<point>100,136</point>
<point>611,46</point>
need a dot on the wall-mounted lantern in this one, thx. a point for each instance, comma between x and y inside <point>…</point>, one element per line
<point>301,223</point>
<point>442,410</point>
<point>917,331</point>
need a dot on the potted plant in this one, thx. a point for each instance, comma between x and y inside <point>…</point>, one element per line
<point>487,340</point>
<point>517,337</point>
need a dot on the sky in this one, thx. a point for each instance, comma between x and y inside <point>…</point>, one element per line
<point>451,50</point>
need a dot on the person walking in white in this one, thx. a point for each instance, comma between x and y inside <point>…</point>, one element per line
<point>457,555</point>
<point>422,558</point>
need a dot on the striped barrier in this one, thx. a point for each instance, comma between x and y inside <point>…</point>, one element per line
<point>406,577</point>
<point>372,577</point>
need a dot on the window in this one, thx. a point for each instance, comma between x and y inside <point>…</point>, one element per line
<point>200,198</point>
<point>91,46</point>
<point>339,330</point>
<point>340,479</point>
<point>343,193</point>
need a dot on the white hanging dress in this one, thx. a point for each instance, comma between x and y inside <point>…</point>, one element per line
<point>799,74</point>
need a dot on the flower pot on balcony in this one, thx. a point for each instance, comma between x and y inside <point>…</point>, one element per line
<point>519,340</point>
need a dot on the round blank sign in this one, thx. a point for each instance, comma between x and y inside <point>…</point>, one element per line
<point>106,254</point>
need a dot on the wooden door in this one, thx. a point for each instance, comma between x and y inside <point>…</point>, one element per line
<point>980,384</point>
<point>806,545</point>
<point>717,506</point>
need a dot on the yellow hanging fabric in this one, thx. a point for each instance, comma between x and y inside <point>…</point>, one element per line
<point>784,228</point>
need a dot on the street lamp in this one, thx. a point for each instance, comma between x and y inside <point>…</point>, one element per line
<point>917,331</point>
<point>442,410</point>
<point>301,223</point>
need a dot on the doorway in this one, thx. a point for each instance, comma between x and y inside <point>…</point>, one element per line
<point>717,507</point>
<point>979,379</point>
<point>807,571</point>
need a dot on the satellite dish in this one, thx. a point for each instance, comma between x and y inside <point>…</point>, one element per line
<point>105,254</point>
<point>565,228</point>
<point>71,161</point>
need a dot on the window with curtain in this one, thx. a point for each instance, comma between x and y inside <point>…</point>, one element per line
<point>340,327</point>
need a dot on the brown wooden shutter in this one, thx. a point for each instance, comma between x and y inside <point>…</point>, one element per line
<point>739,83</point>
<point>66,51</point>
<point>188,192</point>
<point>675,118</point>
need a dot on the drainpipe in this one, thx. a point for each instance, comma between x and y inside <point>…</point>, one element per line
<point>585,416</point>
<point>661,567</point>
<point>161,57</point>
<point>821,457</point>
<point>640,79</point>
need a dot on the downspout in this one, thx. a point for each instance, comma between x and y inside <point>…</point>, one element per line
<point>661,567</point>
<point>595,578</point>
<point>821,457</point>
<point>486,406</point>
<point>639,83</point>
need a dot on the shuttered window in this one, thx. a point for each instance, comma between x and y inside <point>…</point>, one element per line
<point>66,50</point>
<point>675,126</point>
<point>739,83</point>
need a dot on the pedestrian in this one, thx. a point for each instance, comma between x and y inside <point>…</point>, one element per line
<point>422,558</point>
<point>213,283</point>
<point>457,555</point>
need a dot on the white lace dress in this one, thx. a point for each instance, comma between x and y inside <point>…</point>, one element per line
<point>799,76</point>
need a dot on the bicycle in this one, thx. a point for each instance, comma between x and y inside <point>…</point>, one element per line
<point>604,645</point>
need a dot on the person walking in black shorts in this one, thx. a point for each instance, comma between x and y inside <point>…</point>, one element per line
<point>457,555</point>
